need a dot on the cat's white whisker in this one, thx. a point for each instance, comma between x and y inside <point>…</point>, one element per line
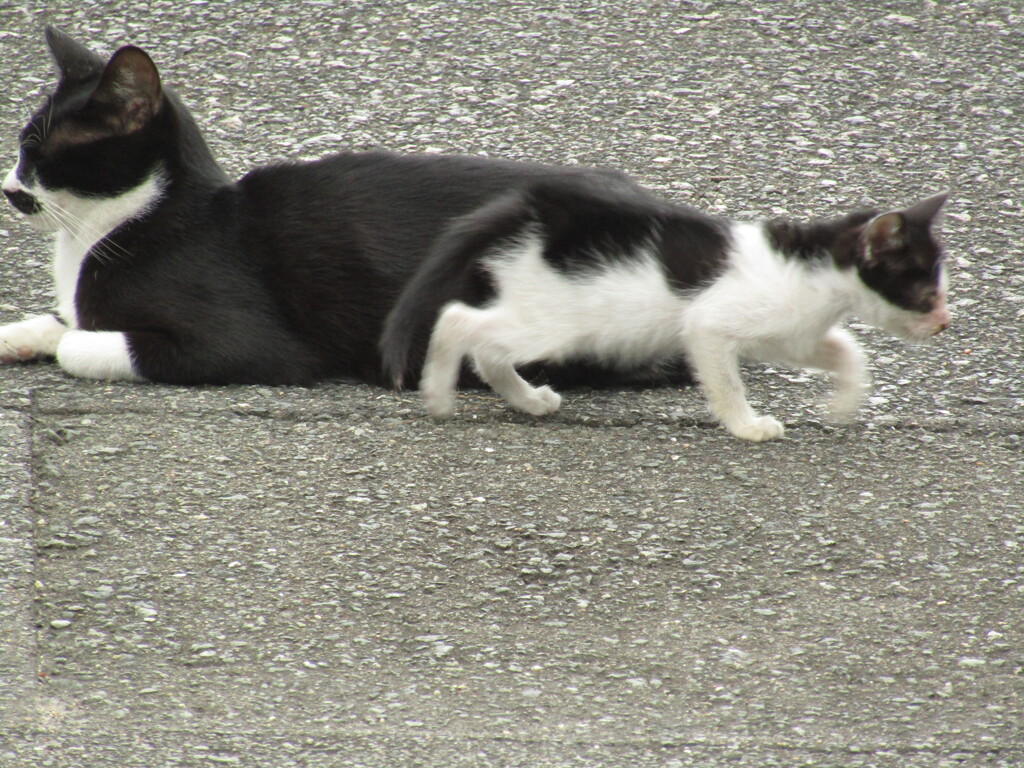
<point>83,231</point>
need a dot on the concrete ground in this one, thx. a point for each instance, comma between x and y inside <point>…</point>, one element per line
<point>283,577</point>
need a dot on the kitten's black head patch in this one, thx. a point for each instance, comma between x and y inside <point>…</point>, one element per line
<point>818,240</point>
<point>899,257</point>
<point>893,252</point>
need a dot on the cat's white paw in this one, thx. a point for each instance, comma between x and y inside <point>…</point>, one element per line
<point>100,355</point>
<point>760,429</point>
<point>31,338</point>
<point>541,402</point>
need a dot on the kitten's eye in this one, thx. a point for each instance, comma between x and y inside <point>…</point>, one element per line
<point>928,299</point>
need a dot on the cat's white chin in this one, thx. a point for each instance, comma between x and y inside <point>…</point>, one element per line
<point>37,217</point>
<point>911,327</point>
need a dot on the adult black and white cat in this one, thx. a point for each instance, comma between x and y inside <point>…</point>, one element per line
<point>167,271</point>
<point>562,271</point>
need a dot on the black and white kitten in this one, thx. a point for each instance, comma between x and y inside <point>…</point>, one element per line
<point>165,270</point>
<point>562,271</point>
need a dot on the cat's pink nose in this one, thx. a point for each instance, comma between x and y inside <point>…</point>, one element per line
<point>22,200</point>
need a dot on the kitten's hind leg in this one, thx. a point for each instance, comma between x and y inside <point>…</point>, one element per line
<point>496,368</point>
<point>716,363</point>
<point>453,336</point>
<point>462,330</point>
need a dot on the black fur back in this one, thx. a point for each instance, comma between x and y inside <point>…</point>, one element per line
<point>283,277</point>
<point>286,276</point>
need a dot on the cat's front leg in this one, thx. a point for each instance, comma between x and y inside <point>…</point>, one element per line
<point>101,355</point>
<point>31,338</point>
<point>716,363</point>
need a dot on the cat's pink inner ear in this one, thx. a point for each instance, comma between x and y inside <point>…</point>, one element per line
<point>884,232</point>
<point>130,87</point>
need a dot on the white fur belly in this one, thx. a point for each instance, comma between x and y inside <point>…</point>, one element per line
<point>623,313</point>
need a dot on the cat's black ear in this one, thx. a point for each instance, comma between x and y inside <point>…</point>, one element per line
<point>926,210</point>
<point>129,92</point>
<point>74,60</point>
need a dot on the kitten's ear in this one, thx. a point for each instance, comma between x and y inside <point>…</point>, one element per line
<point>884,233</point>
<point>926,210</point>
<point>74,60</point>
<point>129,92</point>
<point>888,231</point>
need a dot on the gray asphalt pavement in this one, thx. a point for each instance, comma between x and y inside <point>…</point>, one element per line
<point>278,577</point>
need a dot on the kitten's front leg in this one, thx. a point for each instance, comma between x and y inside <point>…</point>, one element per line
<point>839,353</point>
<point>31,338</point>
<point>716,363</point>
<point>97,355</point>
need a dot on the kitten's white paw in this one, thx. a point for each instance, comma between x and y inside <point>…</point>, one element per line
<point>438,404</point>
<point>843,407</point>
<point>760,429</point>
<point>541,402</point>
<point>31,338</point>
<point>847,399</point>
